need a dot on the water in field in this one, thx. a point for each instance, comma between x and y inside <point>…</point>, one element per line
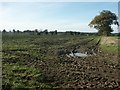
<point>78,54</point>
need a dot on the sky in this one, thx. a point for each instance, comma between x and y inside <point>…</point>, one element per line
<point>60,16</point>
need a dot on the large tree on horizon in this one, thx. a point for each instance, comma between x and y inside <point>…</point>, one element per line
<point>104,21</point>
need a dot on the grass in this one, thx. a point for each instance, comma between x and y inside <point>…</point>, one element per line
<point>109,47</point>
<point>20,76</point>
<point>31,61</point>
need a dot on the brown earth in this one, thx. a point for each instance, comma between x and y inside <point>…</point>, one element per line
<point>90,73</point>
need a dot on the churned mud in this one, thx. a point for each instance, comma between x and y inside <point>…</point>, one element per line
<point>51,56</point>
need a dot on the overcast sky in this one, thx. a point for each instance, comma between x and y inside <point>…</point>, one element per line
<point>61,16</point>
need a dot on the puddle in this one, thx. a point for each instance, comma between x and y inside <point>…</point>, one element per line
<point>78,54</point>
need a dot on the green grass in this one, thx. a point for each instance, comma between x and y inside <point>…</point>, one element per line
<point>110,49</point>
<point>19,76</point>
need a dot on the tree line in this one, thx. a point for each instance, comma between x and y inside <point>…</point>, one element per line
<point>46,32</point>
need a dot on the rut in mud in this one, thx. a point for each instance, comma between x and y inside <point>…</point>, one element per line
<point>90,47</point>
<point>77,72</point>
<point>49,55</point>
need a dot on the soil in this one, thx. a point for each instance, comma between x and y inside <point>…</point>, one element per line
<point>97,71</point>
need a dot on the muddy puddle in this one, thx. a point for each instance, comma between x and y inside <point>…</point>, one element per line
<point>78,54</point>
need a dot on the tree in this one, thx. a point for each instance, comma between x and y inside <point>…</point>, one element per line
<point>18,31</point>
<point>14,30</point>
<point>71,32</point>
<point>56,32</point>
<point>36,30</point>
<point>4,31</point>
<point>46,31</point>
<point>104,21</point>
<point>52,32</point>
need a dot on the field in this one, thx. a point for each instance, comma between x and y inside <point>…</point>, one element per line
<point>40,62</point>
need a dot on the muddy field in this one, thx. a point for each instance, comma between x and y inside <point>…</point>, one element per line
<point>46,63</point>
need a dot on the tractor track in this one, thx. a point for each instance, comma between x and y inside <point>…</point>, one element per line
<point>91,72</point>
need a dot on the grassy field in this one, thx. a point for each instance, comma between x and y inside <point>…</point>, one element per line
<point>34,61</point>
<point>110,45</point>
